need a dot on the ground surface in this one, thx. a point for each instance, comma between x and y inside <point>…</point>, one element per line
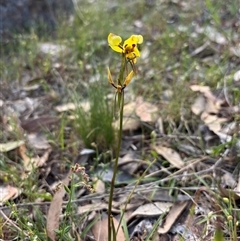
<point>181,139</point>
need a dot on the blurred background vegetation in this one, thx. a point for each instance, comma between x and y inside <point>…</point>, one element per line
<point>62,47</point>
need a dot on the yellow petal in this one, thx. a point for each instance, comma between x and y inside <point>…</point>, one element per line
<point>114,39</point>
<point>139,38</point>
<point>134,39</point>
<point>136,52</point>
<point>131,56</point>
<point>116,48</point>
<point>114,42</point>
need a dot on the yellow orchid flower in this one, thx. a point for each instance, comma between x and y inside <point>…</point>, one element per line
<point>129,47</point>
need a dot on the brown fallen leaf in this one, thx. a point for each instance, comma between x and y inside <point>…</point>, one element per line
<point>213,122</point>
<point>100,230</point>
<point>55,209</point>
<point>30,163</point>
<point>199,105</point>
<point>151,210</point>
<point>130,163</point>
<point>130,120</point>
<point>174,213</point>
<point>99,186</point>
<point>73,106</point>
<point>170,155</point>
<point>8,192</point>
<point>200,88</point>
<point>206,91</point>
<point>214,100</point>
<point>146,111</point>
<point>11,145</point>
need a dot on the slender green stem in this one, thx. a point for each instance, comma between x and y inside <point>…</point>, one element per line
<point>121,95</point>
<point>121,73</point>
<point>121,105</point>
